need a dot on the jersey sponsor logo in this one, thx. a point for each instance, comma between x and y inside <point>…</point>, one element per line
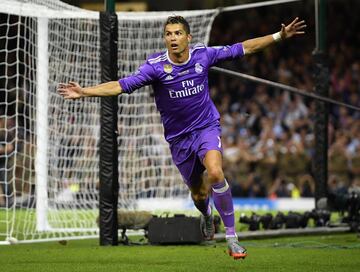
<point>198,68</point>
<point>184,73</point>
<point>188,89</point>
<point>168,68</point>
<point>169,77</point>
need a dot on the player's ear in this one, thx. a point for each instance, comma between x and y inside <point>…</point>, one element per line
<point>189,37</point>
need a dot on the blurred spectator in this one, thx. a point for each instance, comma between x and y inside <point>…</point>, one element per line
<point>306,186</point>
<point>7,148</point>
<point>338,158</point>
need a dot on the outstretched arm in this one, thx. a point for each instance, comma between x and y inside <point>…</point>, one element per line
<point>73,90</point>
<point>296,27</point>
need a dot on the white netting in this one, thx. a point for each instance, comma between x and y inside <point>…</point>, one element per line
<point>67,38</point>
<point>50,4</point>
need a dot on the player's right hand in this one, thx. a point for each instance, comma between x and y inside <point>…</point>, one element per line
<point>71,90</point>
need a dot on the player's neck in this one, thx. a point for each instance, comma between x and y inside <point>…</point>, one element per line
<point>180,58</point>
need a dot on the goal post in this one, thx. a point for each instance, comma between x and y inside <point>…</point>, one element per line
<point>50,190</point>
<point>41,169</point>
<point>109,176</point>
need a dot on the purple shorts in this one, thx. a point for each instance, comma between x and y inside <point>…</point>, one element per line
<point>189,151</point>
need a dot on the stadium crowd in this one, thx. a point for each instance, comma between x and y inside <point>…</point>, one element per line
<point>268,134</point>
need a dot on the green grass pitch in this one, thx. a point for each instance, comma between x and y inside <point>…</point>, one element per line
<point>310,253</point>
<point>336,252</point>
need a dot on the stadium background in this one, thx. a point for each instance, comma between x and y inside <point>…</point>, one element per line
<point>268,134</point>
<point>273,129</point>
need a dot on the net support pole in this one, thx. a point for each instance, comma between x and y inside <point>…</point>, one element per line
<point>110,5</point>
<point>109,185</point>
<point>321,77</point>
<point>42,105</point>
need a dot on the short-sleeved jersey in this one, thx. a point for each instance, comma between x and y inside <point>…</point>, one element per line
<point>181,90</point>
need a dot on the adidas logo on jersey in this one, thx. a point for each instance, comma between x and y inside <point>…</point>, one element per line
<point>169,77</point>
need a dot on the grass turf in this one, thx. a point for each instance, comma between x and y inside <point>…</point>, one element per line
<point>311,253</point>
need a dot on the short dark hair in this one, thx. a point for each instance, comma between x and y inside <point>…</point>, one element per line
<point>178,20</point>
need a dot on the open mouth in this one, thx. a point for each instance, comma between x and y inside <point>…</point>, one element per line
<point>174,46</point>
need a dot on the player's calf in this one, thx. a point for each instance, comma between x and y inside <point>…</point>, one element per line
<point>207,226</point>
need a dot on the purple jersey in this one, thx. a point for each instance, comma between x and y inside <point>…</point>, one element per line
<point>181,90</point>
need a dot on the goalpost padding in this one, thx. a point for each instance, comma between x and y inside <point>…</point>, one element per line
<point>109,183</point>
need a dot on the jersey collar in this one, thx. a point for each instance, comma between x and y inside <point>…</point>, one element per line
<point>178,64</point>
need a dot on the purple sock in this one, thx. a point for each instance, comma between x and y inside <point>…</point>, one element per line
<point>224,205</point>
<point>203,206</point>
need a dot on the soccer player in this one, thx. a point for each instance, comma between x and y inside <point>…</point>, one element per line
<point>179,77</point>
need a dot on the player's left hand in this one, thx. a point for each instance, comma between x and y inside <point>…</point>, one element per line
<point>296,27</point>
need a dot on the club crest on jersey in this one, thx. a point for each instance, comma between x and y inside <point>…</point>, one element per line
<point>198,68</point>
<point>168,68</point>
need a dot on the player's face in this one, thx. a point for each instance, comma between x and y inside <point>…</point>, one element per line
<point>176,39</point>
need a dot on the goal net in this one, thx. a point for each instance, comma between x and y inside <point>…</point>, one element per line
<point>49,147</point>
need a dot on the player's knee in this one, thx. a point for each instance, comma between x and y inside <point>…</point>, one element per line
<point>215,174</point>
